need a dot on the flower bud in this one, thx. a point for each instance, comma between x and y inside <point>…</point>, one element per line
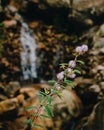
<point>72,76</point>
<point>69,70</point>
<point>84,48</point>
<point>78,49</point>
<point>60,75</point>
<point>72,63</point>
<point>58,86</point>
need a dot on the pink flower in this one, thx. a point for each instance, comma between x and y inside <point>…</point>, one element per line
<point>84,48</point>
<point>78,49</point>
<point>81,49</point>
<point>69,70</point>
<point>72,76</point>
<point>72,63</point>
<point>60,75</point>
<point>71,73</point>
<point>58,86</point>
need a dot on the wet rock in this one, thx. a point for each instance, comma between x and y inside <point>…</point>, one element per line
<point>8,107</point>
<point>95,120</point>
<point>101,30</point>
<point>12,88</point>
<point>67,108</point>
<point>30,92</point>
<point>58,3</point>
<point>95,88</point>
<point>71,101</point>
<point>10,23</point>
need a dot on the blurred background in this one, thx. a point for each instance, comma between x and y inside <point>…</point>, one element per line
<point>35,37</point>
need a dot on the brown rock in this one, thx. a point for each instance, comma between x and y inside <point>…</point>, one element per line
<point>12,88</point>
<point>28,91</point>
<point>65,109</point>
<point>10,23</point>
<point>8,105</point>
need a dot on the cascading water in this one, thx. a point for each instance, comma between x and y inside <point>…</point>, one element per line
<point>28,55</point>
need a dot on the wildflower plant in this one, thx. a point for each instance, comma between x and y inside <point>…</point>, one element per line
<point>64,78</point>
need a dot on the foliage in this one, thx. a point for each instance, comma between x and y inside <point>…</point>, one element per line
<point>64,78</point>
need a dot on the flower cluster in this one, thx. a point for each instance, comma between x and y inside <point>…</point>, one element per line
<point>70,70</point>
<point>81,49</point>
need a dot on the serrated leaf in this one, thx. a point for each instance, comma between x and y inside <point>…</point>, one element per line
<point>63,64</point>
<point>31,123</point>
<point>59,94</point>
<point>66,71</point>
<point>49,100</point>
<point>51,81</point>
<point>30,108</point>
<point>81,62</point>
<point>26,121</point>
<point>62,86</point>
<point>38,126</point>
<point>46,116</point>
<point>71,85</point>
<point>1,24</point>
<point>40,98</point>
<point>42,93</point>
<point>67,81</point>
<point>48,110</point>
<point>77,71</point>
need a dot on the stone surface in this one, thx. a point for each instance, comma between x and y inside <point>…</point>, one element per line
<point>8,105</point>
<point>58,3</point>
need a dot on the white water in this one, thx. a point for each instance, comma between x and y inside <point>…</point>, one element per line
<point>28,55</point>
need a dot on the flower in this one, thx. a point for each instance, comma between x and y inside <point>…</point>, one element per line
<point>78,49</point>
<point>81,49</point>
<point>60,75</point>
<point>71,73</point>
<point>58,86</point>
<point>72,63</point>
<point>69,70</point>
<point>84,48</point>
<point>72,76</point>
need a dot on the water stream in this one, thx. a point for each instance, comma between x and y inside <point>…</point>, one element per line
<point>28,54</point>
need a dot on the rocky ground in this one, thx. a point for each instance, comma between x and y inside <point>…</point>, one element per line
<point>56,37</point>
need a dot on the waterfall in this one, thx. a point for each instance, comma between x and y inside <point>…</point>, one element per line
<point>28,55</point>
<point>28,42</point>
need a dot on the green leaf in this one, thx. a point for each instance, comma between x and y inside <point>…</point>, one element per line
<point>81,62</point>
<point>77,71</point>
<point>71,85</point>
<point>49,100</point>
<point>40,98</point>
<point>59,94</point>
<point>26,121</point>
<point>63,64</point>
<point>48,110</point>
<point>68,82</point>
<point>51,81</point>
<point>38,126</point>
<point>62,86</point>
<point>31,123</point>
<point>66,71</point>
<point>46,116</point>
<point>1,24</point>
<point>30,108</point>
<point>42,93</point>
